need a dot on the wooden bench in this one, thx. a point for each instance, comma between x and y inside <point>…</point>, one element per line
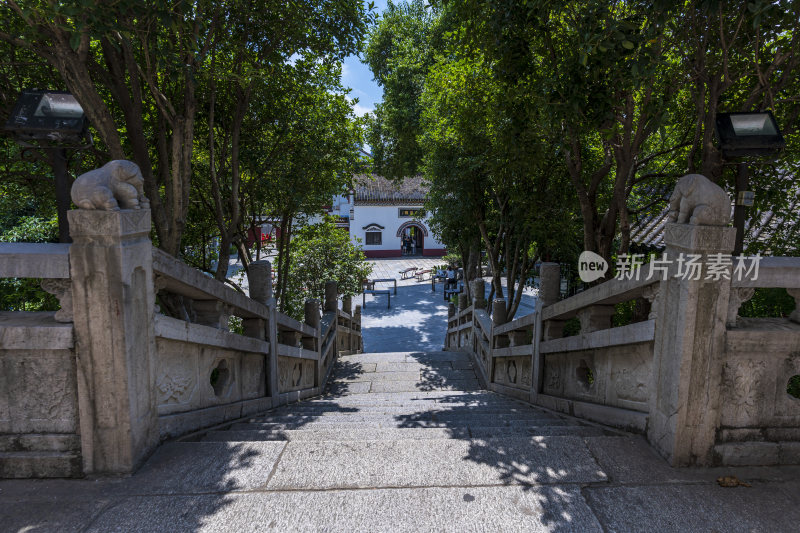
<point>387,292</point>
<point>421,274</point>
<point>372,283</point>
<point>407,273</point>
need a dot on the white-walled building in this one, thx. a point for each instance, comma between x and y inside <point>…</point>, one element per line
<point>382,213</point>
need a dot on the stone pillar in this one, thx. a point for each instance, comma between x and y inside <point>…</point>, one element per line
<point>499,317</point>
<point>259,278</point>
<point>549,283</point>
<point>357,320</point>
<point>689,348</point>
<point>550,293</point>
<point>111,266</point>
<point>331,297</point>
<point>462,301</point>
<point>451,310</point>
<point>312,319</point>
<point>347,304</point>
<point>478,290</point>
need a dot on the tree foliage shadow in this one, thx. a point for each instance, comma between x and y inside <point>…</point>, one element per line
<point>543,464</point>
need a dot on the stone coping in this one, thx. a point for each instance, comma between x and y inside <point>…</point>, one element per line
<point>178,330</point>
<point>34,260</point>
<point>34,331</point>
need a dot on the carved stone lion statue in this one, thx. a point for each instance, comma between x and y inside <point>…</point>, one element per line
<point>116,184</point>
<point>698,201</point>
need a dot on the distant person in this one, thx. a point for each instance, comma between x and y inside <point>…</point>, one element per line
<point>450,276</point>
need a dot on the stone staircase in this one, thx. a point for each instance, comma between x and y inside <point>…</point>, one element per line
<point>407,442</point>
<point>404,396</point>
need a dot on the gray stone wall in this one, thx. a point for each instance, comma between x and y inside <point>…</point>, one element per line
<point>38,397</point>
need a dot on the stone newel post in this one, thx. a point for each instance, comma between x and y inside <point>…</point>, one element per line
<point>688,348</point>
<point>111,264</point>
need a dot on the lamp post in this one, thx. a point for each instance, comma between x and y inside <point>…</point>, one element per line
<point>746,135</point>
<point>54,122</point>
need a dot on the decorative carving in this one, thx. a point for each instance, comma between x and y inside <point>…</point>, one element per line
<point>739,295</point>
<point>511,371</point>
<point>698,201</point>
<point>651,293</point>
<point>552,378</point>
<point>743,382</point>
<point>116,184</point>
<point>61,289</point>
<point>173,388</point>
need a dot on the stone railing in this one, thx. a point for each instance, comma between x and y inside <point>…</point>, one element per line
<point>759,422</point>
<point>94,387</point>
<point>39,428</point>
<point>705,386</point>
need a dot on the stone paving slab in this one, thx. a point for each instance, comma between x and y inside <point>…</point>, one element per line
<point>404,386</point>
<point>49,514</point>
<point>192,467</point>
<point>631,460</point>
<point>311,465</point>
<point>414,366</point>
<point>507,509</point>
<point>706,507</point>
<point>336,434</point>
<point>380,376</point>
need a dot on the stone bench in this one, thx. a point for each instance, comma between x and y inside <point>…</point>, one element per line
<point>372,283</point>
<point>387,292</point>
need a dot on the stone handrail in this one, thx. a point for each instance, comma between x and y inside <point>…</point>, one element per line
<point>122,376</point>
<point>175,276</point>
<point>34,260</point>
<point>703,391</point>
<point>611,292</point>
<point>780,272</point>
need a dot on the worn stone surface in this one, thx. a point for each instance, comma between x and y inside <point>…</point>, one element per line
<point>688,349</point>
<point>706,507</point>
<point>34,260</point>
<point>113,295</point>
<point>439,509</point>
<point>435,463</point>
<point>490,464</point>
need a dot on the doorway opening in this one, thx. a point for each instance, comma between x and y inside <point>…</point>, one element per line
<point>412,240</point>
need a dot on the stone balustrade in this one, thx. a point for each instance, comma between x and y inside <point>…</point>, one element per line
<point>705,386</point>
<point>143,349</point>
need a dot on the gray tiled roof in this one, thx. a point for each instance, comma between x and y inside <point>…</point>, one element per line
<point>374,189</point>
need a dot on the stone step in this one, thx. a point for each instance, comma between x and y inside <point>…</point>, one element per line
<point>383,434</point>
<point>41,464</point>
<point>422,422</point>
<point>395,410</point>
<point>434,462</point>
<point>415,415</point>
<point>422,375</point>
<point>382,386</point>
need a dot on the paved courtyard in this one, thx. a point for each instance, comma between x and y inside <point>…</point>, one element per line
<point>417,319</point>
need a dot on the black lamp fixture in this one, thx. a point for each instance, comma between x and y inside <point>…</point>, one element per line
<point>54,116</point>
<point>744,135</point>
<point>749,134</point>
<point>52,121</point>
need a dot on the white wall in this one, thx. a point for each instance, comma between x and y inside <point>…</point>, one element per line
<point>386,216</point>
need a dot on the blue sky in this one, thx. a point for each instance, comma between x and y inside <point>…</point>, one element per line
<point>358,77</point>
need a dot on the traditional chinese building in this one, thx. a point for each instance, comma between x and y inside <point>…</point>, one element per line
<point>388,217</point>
